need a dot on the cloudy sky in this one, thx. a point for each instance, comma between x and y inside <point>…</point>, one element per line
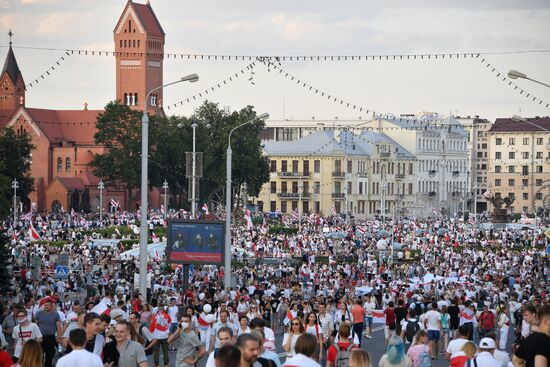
<point>299,27</point>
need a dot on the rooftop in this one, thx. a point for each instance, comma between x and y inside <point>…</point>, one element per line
<point>511,125</point>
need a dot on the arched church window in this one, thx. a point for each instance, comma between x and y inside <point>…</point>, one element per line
<point>67,164</point>
<point>120,43</point>
<point>138,43</point>
<point>124,43</point>
<point>126,99</point>
<point>134,43</point>
<point>59,164</point>
<point>135,99</point>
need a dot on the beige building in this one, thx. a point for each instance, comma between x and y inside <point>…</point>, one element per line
<point>478,155</point>
<point>519,164</point>
<point>326,169</point>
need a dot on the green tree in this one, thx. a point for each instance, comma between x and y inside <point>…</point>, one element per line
<point>119,130</point>
<point>5,273</point>
<point>15,162</point>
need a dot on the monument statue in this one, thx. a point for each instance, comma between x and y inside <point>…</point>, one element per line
<point>500,214</point>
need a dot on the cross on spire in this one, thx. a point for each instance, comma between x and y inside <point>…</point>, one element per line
<point>10,33</point>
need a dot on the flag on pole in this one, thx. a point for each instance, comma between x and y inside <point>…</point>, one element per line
<point>487,194</point>
<point>361,230</point>
<point>154,237</point>
<point>294,214</point>
<point>73,214</point>
<point>248,219</point>
<point>205,208</point>
<point>100,308</point>
<point>33,233</point>
<point>162,208</point>
<point>334,211</point>
<point>471,218</point>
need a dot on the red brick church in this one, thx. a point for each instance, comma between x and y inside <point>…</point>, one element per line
<point>64,139</point>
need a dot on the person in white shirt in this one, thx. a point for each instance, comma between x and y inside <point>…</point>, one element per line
<point>224,336</point>
<point>484,357</point>
<point>433,327</point>
<point>305,349</point>
<point>79,356</point>
<point>369,307</point>
<point>455,345</point>
<point>24,331</point>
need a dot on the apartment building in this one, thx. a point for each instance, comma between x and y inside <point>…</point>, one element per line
<point>519,163</point>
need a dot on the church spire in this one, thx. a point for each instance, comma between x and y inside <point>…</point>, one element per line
<point>10,65</point>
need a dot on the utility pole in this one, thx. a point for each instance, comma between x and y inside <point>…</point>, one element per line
<point>101,186</point>
<point>300,189</point>
<point>194,178</point>
<point>165,187</point>
<point>14,186</point>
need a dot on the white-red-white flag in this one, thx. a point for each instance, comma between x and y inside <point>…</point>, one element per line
<point>294,214</point>
<point>334,211</point>
<point>33,233</point>
<point>205,208</point>
<point>248,219</point>
<point>487,194</point>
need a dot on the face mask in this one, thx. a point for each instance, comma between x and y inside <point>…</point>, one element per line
<point>21,321</point>
<point>184,325</point>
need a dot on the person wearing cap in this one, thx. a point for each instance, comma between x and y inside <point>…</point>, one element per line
<point>485,357</point>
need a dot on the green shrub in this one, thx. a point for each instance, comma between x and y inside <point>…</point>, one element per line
<point>283,230</point>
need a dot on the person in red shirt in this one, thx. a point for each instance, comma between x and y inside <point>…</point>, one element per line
<point>344,344</point>
<point>358,313</point>
<point>389,329</point>
<point>5,359</point>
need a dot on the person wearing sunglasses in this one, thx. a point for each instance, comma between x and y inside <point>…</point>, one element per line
<point>289,339</point>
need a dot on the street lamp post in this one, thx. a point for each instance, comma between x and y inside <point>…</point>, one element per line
<point>165,187</point>
<point>514,74</point>
<point>300,190</point>
<point>14,186</point>
<point>144,180</point>
<point>229,153</point>
<point>101,186</point>
<point>194,182</point>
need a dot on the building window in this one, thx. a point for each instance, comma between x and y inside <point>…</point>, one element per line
<point>337,165</point>
<point>283,207</point>
<point>120,43</point>
<point>484,166</point>
<point>360,188</point>
<point>525,182</point>
<point>294,205</point>
<point>273,166</point>
<point>410,192</point>
<point>539,169</point>
<point>284,187</point>
<point>511,141</point>
<point>59,164</point>
<point>124,43</point>
<point>480,154</point>
<point>525,209</point>
<point>295,167</point>
<point>497,182</point>
<point>305,164</point>
<point>260,205</point>
<point>134,43</point>
<point>539,155</point>
<point>294,187</point>
<point>316,166</point>
<point>67,164</point>
<point>524,170</point>
<point>283,166</point>
<point>305,207</point>
<point>511,155</point>
<point>538,196</point>
<point>525,155</point>
<point>539,141</point>
<point>316,187</point>
<point>350,166</point>
<point>511,182</point>
<point>273,187</point>
<point>498,141</point>
<point>498,169</point>
<point>498,155</point>
<point>273,206</point>
<point>349,188</point>
<point>538,182</point>
<point>511,169</point>
<point>305,187</point>
<point>511,195</point>
<point>525,141</point>
<point>525,196</point>
<point>484,146</point>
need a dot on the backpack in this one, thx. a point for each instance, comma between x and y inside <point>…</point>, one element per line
<point>425,359</point>
<point>342,355</point>
<point>411,330</point>
<point>418,309</point>
<point>149,351</point>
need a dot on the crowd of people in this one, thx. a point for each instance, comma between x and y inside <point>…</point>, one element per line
<point>443,292</point>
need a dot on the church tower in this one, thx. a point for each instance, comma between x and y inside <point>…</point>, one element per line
<point>12,87</point>
<point>139,46</point>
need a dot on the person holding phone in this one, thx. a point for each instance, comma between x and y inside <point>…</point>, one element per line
<point>189,349</point>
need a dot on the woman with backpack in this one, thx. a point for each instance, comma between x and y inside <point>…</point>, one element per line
<point>395,354</point>
<point>419,353</point>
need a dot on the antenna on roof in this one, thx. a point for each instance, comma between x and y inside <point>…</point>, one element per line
<point>10,34</point>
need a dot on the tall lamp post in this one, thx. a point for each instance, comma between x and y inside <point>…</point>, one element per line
<point>229,153</point>
<point>165,187</point>
<point>14,186</point>
<point>101,186</point>
<point>194,173</point>
<point>144,178</point>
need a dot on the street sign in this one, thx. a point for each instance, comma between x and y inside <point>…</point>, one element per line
<point>548,249</point>
<point>61,272</point>
<point>63,259</point>
<point>36,263</point>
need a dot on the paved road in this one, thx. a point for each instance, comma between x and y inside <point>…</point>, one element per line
<point>374,346</point>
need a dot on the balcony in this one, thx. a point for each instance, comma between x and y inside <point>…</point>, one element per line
<point>385,154</point>
<point>338,195</point>
<point>455,194</point>
<point>456,173</point>
<point>293,174</point>
<point>432,173</point>
<point>431,194</point>
<point>400,176</point>
<point>293,195</point>
<point>400,196</point>
<point>362,175</point>
<point>339,174</point>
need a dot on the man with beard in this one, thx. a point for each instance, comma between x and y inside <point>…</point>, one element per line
<point>250,349</point>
